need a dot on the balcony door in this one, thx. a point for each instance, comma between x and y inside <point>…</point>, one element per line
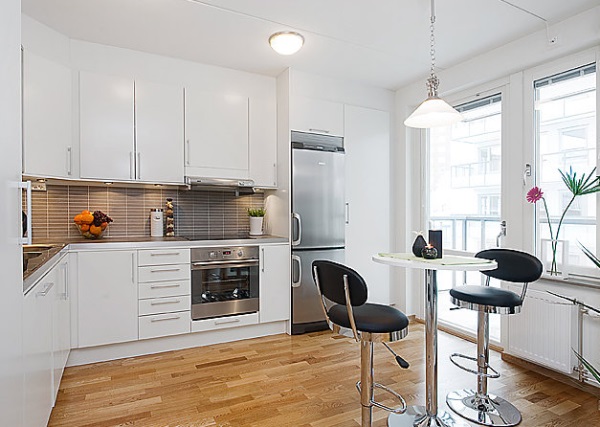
<point>464,177</point>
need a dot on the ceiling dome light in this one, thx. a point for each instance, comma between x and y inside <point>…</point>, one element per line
<point>286,42</point>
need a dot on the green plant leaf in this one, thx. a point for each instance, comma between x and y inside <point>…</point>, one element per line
<point>256,212</point>
<point>589,254</point>
<point>580,186</point>
<point>588,366</point>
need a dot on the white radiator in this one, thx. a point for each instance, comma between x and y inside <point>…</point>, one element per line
<point>544,332</point>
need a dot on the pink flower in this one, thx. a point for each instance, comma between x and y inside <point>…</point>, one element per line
<point>534,195</point>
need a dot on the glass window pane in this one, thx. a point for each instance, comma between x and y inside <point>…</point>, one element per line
<point>565,107</point>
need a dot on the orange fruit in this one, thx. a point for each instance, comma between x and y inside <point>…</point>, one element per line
<point>87,218</point>
<point>84,227</point>
<point>85,212</point>
<point>96,231</point>
<point>104,225</point>
<point>78,219</point>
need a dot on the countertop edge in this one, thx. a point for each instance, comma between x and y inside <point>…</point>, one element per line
<point>30,281</point>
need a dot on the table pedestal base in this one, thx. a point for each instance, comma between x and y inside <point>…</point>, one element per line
<point>416,416</point>
<point>489,411</point>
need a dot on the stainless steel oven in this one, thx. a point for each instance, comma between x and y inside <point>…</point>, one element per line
<point>224,281</point>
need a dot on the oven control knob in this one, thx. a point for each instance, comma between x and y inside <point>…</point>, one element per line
<point>212,255</point>
<point>240,253</point>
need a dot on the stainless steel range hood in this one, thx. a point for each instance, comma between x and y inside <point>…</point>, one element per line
<point>219,182</point>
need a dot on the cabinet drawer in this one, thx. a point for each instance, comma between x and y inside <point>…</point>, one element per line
<point>164,289</point>
<point>160,325</point>
<point>164,305</point>
<point>163,256</point>
<point>224,322</point>
<point>163,273</point>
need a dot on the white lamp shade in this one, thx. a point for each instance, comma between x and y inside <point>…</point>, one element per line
<point>286,42</point>
<point>433,112</point>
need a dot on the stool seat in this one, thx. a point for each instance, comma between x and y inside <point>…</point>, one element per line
<point>486,295</point>
<point>373,318</point>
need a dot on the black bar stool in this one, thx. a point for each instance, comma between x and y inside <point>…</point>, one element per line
<point>344,297</point>
<point>513,266</point>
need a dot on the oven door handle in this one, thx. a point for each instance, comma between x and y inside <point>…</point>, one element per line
<point>203,265</point>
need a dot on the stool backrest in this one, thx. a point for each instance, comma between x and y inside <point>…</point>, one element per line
<point>513,266</point>
<point>329,276</point>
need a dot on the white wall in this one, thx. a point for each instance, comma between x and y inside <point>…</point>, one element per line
<point>11,303</point>
<point>507,63</point>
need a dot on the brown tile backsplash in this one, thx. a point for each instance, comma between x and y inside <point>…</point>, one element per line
<point>202,213</point>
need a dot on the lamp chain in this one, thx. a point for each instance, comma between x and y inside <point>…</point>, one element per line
<point>432,82</point>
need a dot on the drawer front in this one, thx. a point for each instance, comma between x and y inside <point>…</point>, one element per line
<point>160,325</point>
<point>224,322</point>
<point>164,289</point>
<point>163,256</point>
<point>163,273</point>
<point>164,305</point>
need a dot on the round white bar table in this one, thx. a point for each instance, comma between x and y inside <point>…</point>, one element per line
<point>429,416</point>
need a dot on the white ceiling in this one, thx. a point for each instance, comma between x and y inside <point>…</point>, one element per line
<point>383,43</point>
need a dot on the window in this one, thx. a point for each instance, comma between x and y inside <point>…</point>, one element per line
<point>565,132</point>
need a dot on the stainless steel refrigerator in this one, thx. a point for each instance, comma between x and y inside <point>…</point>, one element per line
<point>318,220</point>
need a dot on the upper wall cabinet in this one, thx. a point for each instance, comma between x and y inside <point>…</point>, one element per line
<point>216,132</point>
<point>130,131</point>
<point>316,116</point>
<point>47,130</point>
<point>263,142</point>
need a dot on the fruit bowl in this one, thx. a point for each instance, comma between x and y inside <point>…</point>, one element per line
<point>86,231</point>
<point>92,225</point>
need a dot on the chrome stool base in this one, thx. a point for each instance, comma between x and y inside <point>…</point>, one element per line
<point>416,416</point>
<point>490,410</point>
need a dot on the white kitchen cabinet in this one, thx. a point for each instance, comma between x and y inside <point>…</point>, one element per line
<point>37,351</point>
<point>275,289</point>
<point>47,117</point>
<point>216,132</point>
<point>130,130</point>
<point>263,142</point>
<point>159,136</point>
<point>316,116</point>
<point>107,297</point>
<point>367,144</point>
<point>106,119</point>
<point>61,322</point>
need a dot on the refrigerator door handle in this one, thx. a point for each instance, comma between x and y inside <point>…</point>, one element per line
<point>296,283</point>
<point>295,216</point>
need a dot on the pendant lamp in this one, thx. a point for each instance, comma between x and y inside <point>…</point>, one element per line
<point>434,111</point>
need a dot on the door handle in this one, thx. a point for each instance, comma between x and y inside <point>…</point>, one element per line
<point>295,216</point>
<point>347,213</point>
<point>27,186</point>
<point>296,283</point>
<point>501,234</point>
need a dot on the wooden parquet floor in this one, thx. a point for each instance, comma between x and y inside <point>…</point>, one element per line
<point>300,381</point>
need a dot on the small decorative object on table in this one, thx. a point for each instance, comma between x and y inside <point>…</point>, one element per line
<point>418,244</point>
<point>435,240</point>
<point>170,223</point>
<point>429,252</point>
<point>92,225</point>
<point>578,187</point>
<point>256,221</point>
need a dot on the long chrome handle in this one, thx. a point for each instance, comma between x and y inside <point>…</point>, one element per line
<point>296,283</point>
<point>501,234</point>
<point>262,250</point>
<point>232,263</point>
<point>27,239</point>
<point>164,253</point>
<point>318,130</point>
<point>187,152</point>
<point>224,322</point>
<point>69,161</point>
<point>47,288</point>
<point>133,268</point>
<point>173,301</point>
<point>131,165</point>
<point>295,216</point>
<point>138,174</point>
<point>347,213</point>
<point>164,270</point>
<point>170,285</point>
<point>162,319</point>
<point>66,272</point>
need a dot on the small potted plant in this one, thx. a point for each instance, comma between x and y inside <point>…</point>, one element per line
<point>256,221</point>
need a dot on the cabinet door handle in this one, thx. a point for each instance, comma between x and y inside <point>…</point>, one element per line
<point>69,161</point>
<point>224,322</point>
<point>131,165</point>
<point>296,283</point>
<point>347,213</point>
<point>164,253</point>
<point>45,291</point>
<point>138,174</point>
<point>162,319</point>
<point>163,270</point>
<point>187,152</point>
<point>318,130</point>
<point>133,268</point>
<point>27,186</point>
<point>172,301</point>
<point>66,271</point>
<point>263,259</point>
<point>174,285</point>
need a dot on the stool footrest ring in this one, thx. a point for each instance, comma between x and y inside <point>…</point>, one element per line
<point>399,410</point>
<point>495,373</point>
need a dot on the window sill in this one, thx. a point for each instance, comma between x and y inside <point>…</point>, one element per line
<point>573,281</point>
